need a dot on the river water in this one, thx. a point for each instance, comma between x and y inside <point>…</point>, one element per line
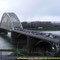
<point>4,44</point>
<point>53,32</point>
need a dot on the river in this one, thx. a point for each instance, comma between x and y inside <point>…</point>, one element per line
<point>53,32</point>
<point>5,45</point>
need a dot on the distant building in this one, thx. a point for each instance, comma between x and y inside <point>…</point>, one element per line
<point>40,27</point>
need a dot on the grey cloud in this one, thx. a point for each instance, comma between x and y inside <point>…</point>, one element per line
<point>32,9</point>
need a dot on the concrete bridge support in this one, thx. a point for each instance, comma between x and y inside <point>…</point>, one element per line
<point>31,41</point>
<point>19,39</point>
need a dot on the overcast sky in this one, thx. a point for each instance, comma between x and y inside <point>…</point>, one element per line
<point>32,10</point>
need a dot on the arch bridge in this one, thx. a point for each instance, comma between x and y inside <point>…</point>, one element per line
<point>28,39</point>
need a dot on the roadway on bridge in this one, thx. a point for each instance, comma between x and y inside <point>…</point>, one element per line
<point>43,36</point>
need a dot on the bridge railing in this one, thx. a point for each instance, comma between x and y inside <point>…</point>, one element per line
<point>40,33</point>
<point>50,35</point>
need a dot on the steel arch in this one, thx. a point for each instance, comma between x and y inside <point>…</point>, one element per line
<point>10,21</point>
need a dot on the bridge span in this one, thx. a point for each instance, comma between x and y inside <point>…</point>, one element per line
<point>28,39</point>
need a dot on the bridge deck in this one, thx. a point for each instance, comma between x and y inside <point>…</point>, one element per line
<point>43,36</point>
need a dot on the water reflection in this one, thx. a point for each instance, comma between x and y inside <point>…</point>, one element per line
<point>5,45</point>
<point>5,53</point>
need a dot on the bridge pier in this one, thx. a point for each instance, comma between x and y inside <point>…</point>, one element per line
<point>31,41</point>
<point>19,39</point>
<point>29,44</point>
